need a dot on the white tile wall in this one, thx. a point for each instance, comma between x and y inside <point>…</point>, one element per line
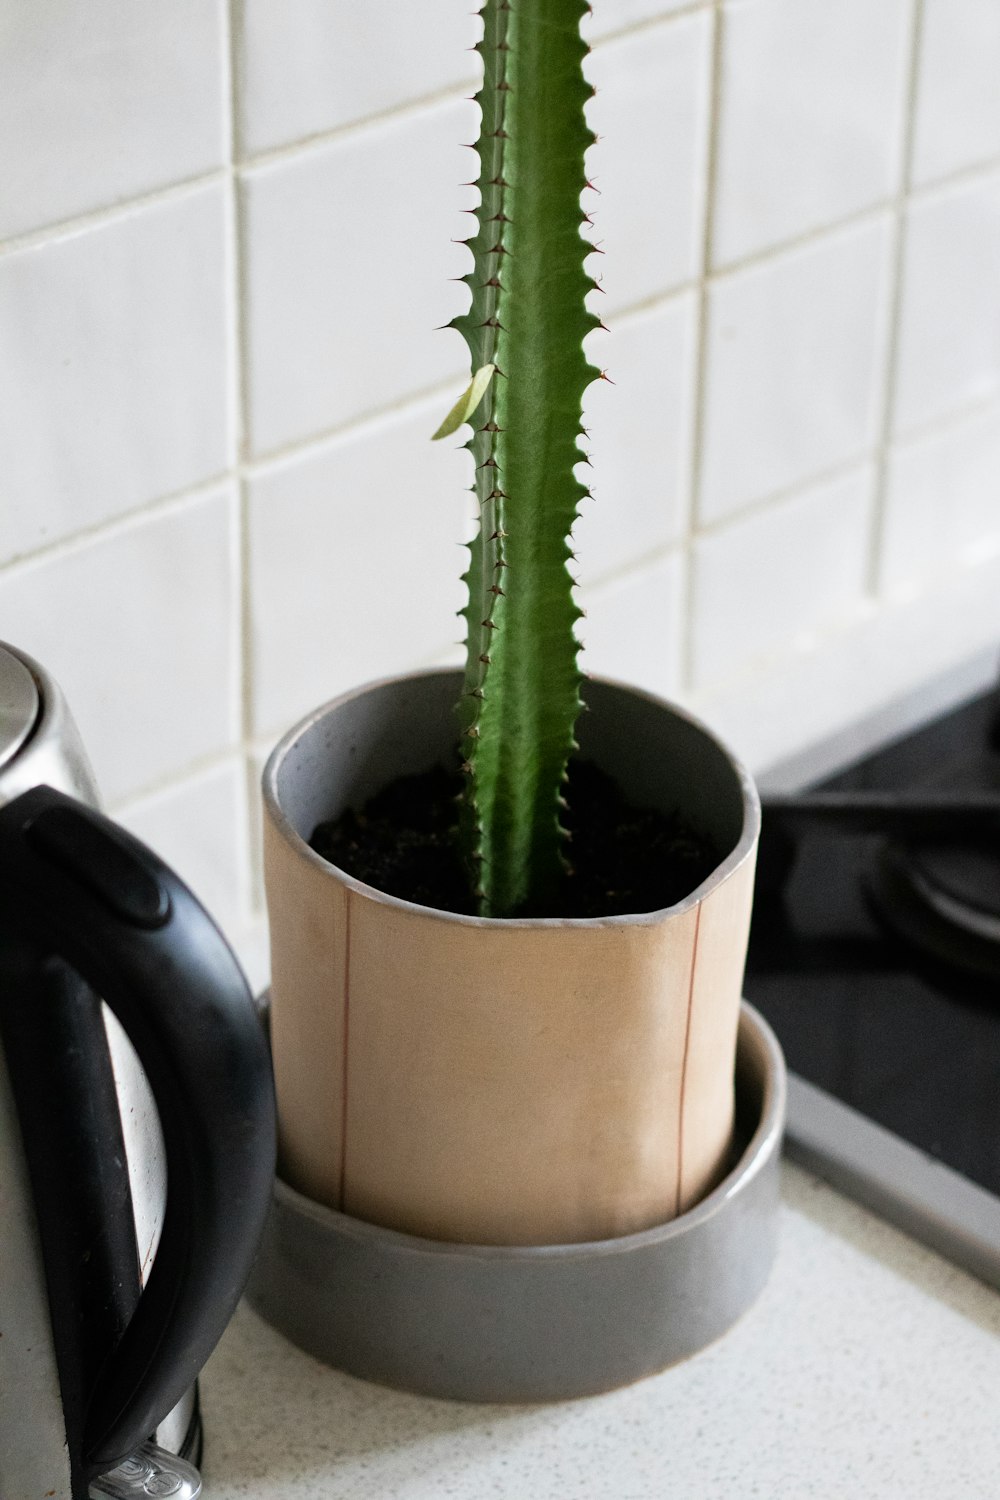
<point>795,469</point>
<point>348,251</point>
<point>958,102</point>
<point>794,351</point>
<point>949,337</point>
<point>765,581</point>
<point>113,368</point>
<point>136,625</point>
<point>609,16</point>
<point>99,102</point>
<point>634,625</point>
<point>789,68</point>
<point>639,437</point>
<point>354,562</point>
<point>311,66</point>
<point>651,116</point>
<point>943,499</point>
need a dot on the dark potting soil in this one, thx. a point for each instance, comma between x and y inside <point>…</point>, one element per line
<point>624,859</point>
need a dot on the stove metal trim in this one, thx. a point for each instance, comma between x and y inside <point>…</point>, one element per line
<point>900,1183</point>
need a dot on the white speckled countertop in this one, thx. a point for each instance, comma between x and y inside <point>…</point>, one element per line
<point>868,1370</point>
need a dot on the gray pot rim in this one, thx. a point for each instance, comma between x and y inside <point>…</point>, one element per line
<point>741,851</point>
<point>755,1035</point>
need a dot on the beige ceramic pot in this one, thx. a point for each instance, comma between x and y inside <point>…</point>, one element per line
<point>502,1082</point>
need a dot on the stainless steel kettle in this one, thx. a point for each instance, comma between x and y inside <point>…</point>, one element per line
<point>137,1131</point>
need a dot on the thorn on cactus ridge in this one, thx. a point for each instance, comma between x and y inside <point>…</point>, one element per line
<point>503,87</point>
<point>491,427</point>
<point>497,534</point>
<point>495,250</point>
<point>466,770</point>
<point>605,376</point>
<point>472,733</point>
<point>476,693</point>
<point>487,659</point>
<point>489,625</point>
<point>489,463</point>
<point>493,323</point>
<point>497,494</point>
<point>495,588</point>
<point>483,284</point>
<point>499,135</point>
<point>501,563</point>
<point>500,218</point>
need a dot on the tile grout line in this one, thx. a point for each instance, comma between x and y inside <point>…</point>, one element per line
<point>111,213</point>
<point>118,525</point>
<point>201,765</point>
<point>238,378</point>
<point>699,372</point>
<point>894,315</point>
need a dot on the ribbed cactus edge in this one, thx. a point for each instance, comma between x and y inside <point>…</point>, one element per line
<point>528,317</point>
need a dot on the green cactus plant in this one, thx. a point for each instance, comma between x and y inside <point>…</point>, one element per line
<point>524,329</point>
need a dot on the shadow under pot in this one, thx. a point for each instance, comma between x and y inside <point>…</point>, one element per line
<point>531,1082</point>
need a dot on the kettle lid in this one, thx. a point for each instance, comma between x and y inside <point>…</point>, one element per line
<point>20,705</point>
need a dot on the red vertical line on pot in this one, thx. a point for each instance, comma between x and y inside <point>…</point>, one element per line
<point>684,1064</point>
<point>347,1033</point>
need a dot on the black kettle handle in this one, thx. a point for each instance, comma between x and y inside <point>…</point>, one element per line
<point>76,886</point>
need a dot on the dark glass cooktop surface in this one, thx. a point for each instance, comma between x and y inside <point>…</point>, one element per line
<point>900,1037</point>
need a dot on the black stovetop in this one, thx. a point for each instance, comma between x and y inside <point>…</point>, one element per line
<point>906,1040</point>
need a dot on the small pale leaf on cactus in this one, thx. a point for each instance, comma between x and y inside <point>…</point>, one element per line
<point>465,406</point>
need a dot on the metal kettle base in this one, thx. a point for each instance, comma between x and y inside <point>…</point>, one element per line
<point>539,1323</point>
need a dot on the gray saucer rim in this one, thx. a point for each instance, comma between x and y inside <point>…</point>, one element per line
<point>758,1051</point>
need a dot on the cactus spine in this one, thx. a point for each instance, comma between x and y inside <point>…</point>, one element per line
<point>528,318</point>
